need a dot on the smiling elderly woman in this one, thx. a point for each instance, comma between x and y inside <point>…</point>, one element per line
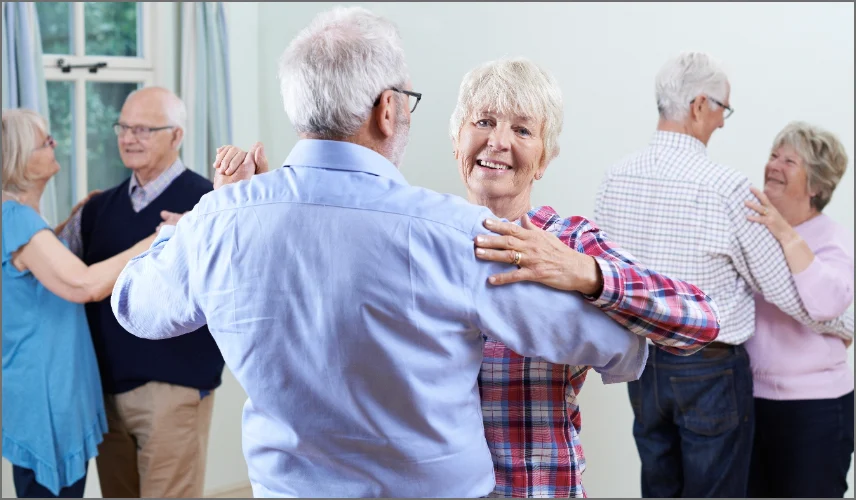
<point>505,131</point>
<point>801,377</point>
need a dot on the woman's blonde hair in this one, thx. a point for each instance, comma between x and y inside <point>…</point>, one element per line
<point>823,156</point>
<point>20,136</point>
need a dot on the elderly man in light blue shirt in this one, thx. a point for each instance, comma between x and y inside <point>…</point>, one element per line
<point>348,304</point>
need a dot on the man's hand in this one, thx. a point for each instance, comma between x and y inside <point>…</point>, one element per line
<point>169,219</point>
<point>233,164</point>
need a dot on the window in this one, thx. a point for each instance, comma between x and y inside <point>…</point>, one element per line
<point>82,104</point>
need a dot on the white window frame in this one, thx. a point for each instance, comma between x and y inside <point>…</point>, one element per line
<point>119,70</point>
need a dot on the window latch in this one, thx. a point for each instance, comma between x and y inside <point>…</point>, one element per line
<point>66,68</point>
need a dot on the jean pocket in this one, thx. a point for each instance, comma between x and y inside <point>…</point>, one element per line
<point>708,403</point>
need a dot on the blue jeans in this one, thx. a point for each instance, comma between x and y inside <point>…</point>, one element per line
<point>802,448</point>
<point>694,423</point>
<point>27,487</point>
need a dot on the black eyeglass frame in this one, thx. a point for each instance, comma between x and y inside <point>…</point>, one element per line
<point>417,95</point>
<point>729,109</point>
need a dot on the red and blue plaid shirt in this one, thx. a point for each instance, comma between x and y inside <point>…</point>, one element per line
<point>531,416</point>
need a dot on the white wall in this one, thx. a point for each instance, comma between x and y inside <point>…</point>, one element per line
<point>786,61</point>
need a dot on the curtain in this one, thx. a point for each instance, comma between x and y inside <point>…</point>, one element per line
<point>23,77</point>
<point>204,83</point>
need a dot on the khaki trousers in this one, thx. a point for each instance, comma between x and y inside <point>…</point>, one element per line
<point>156,444</point>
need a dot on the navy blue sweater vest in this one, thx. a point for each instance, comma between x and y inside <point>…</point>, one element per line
<point>110,226</point>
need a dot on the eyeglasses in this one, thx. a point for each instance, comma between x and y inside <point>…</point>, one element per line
<point>410,96</point>
<point>50,142</point>
<point>139,132</point>
<point>728,109</point>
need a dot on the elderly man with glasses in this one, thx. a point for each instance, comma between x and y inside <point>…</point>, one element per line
<point>158,395</point>
<point>683,214</point>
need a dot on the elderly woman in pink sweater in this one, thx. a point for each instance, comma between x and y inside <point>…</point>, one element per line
<point>803,384</point>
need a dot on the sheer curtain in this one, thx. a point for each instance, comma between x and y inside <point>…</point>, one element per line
<point>23,77</point>
<point>204,83</point>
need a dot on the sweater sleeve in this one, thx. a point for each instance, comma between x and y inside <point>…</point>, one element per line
<point>826,285</point>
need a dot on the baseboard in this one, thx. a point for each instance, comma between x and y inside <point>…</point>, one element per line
<point>237,490</point>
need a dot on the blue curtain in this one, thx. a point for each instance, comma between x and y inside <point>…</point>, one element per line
<point>23,77</point>
<point>204,83</point>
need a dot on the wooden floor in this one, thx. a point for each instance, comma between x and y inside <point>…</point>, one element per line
<point>245,491</point>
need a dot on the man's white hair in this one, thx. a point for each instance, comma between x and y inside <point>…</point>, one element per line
<point>512,86</point>
<point>333,71</point>
<point>685,77</point>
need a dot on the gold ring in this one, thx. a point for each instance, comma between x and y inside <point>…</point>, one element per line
<point>517,257</point>
<point>765,211</point>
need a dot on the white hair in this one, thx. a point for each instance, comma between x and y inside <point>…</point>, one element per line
<point>512,86</point>
<point>173,106</point>
<point>685,77</point>
<point>20,133</point>
<point>333,71</point>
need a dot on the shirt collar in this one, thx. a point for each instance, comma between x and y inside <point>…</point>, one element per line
<point>165,178</point>
<point>339,155</point>
<point>679,141</point>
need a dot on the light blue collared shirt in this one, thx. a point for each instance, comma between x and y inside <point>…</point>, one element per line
<point>350,307</point>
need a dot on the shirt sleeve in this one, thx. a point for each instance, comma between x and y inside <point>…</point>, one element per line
<point>71,234</point>
<point>558,326</point>
<point>826,285</point>
<point>20,224</point>
<point>154,297</point>
<point>674,314</point>
<point>760,260</point>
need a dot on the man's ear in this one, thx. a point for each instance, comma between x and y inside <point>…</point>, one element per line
<point>177,136</point>
<point>384,113</point>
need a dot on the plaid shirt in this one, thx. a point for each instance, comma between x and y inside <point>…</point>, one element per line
<point>681,213</point>
<point>531,416</point>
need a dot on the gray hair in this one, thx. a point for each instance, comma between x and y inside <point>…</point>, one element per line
<point>512,86</point>
<point>683,78</point>
<point>335,69</point>
<point>824,158</point>
<point>20,132</point>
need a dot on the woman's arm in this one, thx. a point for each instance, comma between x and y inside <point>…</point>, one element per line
<point>61,272</point>
<point>674,314</point>
<point>824,280</point>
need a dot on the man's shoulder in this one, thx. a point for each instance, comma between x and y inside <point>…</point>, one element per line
<point>688,166</point>
<point>390,200</point>
<point>195,180</point>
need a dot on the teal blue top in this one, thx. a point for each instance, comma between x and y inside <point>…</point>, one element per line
<point>53,407</point>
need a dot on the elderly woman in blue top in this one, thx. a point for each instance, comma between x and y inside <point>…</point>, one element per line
<point>53,410</point>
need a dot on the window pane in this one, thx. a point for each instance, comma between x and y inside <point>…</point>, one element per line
<point>61,115</point>
<point>103,103</point>
<point>55,27</point>
<point>111,29</point>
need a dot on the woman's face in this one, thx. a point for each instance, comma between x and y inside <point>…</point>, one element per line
<point>42,164</point>
<point>785,178</point>
<point>499,155</point>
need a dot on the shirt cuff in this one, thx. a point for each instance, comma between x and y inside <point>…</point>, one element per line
<point>613,285</point>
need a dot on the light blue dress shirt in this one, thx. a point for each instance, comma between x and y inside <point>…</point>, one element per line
<point>350,307</point>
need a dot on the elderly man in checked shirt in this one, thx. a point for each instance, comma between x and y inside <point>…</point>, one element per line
<point>684,214</point>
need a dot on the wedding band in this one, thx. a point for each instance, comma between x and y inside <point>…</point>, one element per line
<point>517,257</point>
<point>765,211</point>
